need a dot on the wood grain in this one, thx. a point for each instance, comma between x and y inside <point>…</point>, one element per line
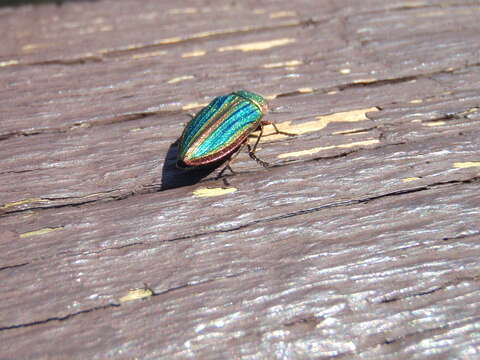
<point>361,241</point>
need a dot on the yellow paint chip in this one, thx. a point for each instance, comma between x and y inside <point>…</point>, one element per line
<point>283,64</point>
<point>183,11</point>
<point>209,192</point>
<point>333,92</point>
<point>364,81</point>
<point>136,294</point>
<point>282,14</point>
<point>193,53</point>
<point>8,63</point>
<point>416,101</point>
<point>259,45</point>
<point>345,71</point>
<point>22,202</point>
<point>259,11</point>
<point>431,14</point>
<point>319,149</point>
<point>409,179</point>
<point>305,90</point>
<point>150,54</point>
<point>171,40</point>
<point>193,106</point>
<point>461,165</point>
<point>318,124</point>
<point>31,47</point>
<point>39,232</point>
<point>435,123</point>
<point>180,78</point>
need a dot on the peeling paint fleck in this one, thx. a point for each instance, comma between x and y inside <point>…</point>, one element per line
<point>193,106</point>
<point>282,14</point>
<point>183,11</point>
<point>283,64</point>
<point>150,54</point>
<point>409,179</point>
<point>8,63</point>
<point>467,164</point>
<point>180,78</point>
<point>136,294</point>
<point>194,53</point>
<point>319,149</point>
<point>318,124</point>
<point>39,232</point>
<point>260,45</point>
<point>22,202</point>
<point>364,81</point>
<point>435,123</point>
<point>209,192</point>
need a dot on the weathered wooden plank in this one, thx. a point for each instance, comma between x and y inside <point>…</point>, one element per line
<point>350,265</point>
<point>128,157</point>
<point>126,89</point>
<point>361,242</point>
<point>332,183</point>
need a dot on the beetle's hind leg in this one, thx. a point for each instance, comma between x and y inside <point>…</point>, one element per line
<point>251,151</point>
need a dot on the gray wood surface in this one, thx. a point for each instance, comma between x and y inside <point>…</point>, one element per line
<point>361,241</point>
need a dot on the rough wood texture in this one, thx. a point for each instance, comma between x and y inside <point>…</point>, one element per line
<point>362,241</point>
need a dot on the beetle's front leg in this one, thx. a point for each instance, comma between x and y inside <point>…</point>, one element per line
<point>266,122</point>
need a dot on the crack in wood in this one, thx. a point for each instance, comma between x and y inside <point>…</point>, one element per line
<point>58,318</point>
<point>415,334</point>
<point>329,206</point>
<point>431,291</point>
<point>13,266</point>
<point>114,305</point>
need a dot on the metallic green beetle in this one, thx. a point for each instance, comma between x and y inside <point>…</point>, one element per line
<point>221,128</point>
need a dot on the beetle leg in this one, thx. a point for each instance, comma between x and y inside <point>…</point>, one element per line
<point>266,122</point>
<point>251,151</point>
<point>227,166</point>
<point>229,161</point>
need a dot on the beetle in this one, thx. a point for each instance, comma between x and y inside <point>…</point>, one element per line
<point>221,129</point>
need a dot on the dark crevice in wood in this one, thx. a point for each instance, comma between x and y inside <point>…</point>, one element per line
<point>431,291</point>
<point>379,82</point>
<point>462,236</point>
<point>7,136</point>
<point>85,125</point>
<point>206,281</point>
<point>112,305</point>
<point>13,266</point>
<point>58,318</point>
<point>416,334</point>
<point>414,6</point>
<point>113,248</point>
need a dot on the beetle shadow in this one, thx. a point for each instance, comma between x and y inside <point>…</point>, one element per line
<point>173,177</point>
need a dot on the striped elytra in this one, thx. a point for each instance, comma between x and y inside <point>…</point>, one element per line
<point>221,128</point>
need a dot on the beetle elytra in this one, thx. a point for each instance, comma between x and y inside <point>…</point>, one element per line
<point>222,128</point>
